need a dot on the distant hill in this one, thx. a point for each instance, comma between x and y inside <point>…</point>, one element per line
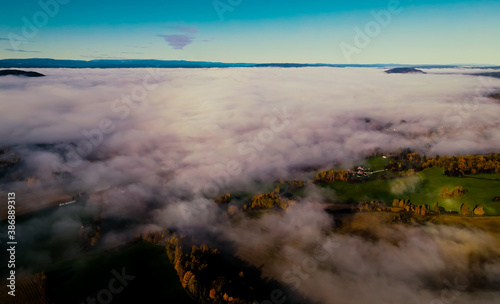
<point>405,71</point>
<point>20,73</point>
<point>108,63</point>
<point>151,63</point>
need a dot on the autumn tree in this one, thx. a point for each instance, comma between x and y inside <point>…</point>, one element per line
<point>224,199</point>
<point>436,207</point>
<point>478,210</point>
<point>332,175</point>
<point>464,209</point>
<point>269,200</point>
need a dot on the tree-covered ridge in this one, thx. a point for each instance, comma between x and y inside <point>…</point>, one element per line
<point>213,277</point>
<point>453,165</point>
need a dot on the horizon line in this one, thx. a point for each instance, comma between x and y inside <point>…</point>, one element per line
<point>254,63</point>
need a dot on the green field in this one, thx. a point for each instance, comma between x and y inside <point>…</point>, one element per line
<point>424,188</point>
<point>155,281</point>
<point>377,163</point>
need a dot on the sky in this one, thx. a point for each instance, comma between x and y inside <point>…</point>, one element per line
<point>257,31</point>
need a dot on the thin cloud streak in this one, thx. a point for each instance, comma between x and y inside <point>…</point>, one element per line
<point>20,51</point>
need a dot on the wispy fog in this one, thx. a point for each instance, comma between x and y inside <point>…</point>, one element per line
<point>380,263</point>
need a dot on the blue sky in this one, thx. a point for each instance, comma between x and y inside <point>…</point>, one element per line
<point>391,31</point>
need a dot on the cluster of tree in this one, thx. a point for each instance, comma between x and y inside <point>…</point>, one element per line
<point>270,200</point>
<point>398,206</point>
<point>453,165</point>
<point>459,191</point>
<point>417,210</point>
<point>465,210</point>
<point>409,207</point>
<point>413,210</point>
<point>210,276</point>
<point>408,211</point>
<point>192,267</point>
<point>406,160</point>
<point>470,164</point>
<point>438,209</point>
<point>400,203</point>
<point>296,183</point>
<point>224,199</point>
<point>371,206</point>
<point>404,217</point>
<point>332,175</point>
<point>290,185</point>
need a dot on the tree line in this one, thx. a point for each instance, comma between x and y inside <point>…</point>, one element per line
<point>453,165</point>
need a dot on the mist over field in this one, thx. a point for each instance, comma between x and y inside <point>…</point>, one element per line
<point>394,264</point>
<point>168,141</point>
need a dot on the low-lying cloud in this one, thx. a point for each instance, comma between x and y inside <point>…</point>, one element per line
<point>187,133</point>
<point>163,143</point>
